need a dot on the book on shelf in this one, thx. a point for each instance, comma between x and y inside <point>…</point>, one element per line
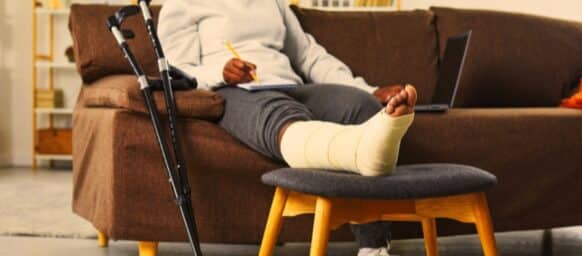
<point>373,3</point>
<point>47,98</point>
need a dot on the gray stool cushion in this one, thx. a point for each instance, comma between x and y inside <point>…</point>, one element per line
<point>406,182</point>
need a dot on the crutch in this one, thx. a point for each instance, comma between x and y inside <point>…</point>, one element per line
<point>176,169</point>
<point>164,70</point>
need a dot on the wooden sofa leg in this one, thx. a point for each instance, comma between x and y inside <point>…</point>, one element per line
<point>274,222</point>
<point>485,226</point>
<point>321,226</point>
<point>147,248</point>
<point>430,236</point>
<point>102,239</point>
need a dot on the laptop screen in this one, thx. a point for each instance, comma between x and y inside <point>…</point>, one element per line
<point>450,70</point>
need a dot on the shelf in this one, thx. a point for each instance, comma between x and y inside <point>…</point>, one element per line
<point>58,65</point>
<point>55,111</point>
<point>54,157</point>
<point>42,22</point>
<point>354,8</point>
<point>43,57</point>
<point>52,11</point>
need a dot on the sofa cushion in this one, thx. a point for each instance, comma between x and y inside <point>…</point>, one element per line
<point>122,91</point>
<point>96,52</point>
<point>390,47</point>
<point>121,186</point>
<point>382,47</point>
<point>513,59</point>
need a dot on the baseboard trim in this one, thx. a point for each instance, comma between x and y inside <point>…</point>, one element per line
<point>25,161</point>
<point>5,160</point>
<point>22,160</point>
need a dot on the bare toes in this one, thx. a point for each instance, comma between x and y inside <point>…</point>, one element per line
<point>400,98</point>
<point>412,95</point>
<point>403,102</point>
<point>389,109</point>
<point>397,104</point>
<point>393,102</point>
<point>401,110</point>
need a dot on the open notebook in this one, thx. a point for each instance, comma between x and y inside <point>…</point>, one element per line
<point>269,84</point>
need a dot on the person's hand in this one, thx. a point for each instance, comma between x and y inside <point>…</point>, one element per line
<point>385,93</point>
<point>238,71</point>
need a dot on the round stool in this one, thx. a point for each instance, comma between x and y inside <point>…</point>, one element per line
<point>420,193</point>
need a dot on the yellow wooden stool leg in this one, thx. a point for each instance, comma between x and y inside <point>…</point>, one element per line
<point>102,239</point>
<point>274,222</point>
<point>321,227</point>
<point>430,236</point>
<point>147,248</point>
<point>485,226</point>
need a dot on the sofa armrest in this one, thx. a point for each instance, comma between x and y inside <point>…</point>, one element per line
<point>122,91</point>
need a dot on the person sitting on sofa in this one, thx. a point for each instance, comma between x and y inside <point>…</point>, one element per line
<point>336,122</point>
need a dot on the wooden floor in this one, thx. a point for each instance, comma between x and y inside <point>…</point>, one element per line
<point>511,244</point>
<point>560,242</point>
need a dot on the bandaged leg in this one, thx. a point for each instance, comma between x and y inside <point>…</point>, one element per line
<point>370,149</point>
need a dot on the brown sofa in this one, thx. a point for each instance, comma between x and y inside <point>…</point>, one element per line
<point>506,121</point>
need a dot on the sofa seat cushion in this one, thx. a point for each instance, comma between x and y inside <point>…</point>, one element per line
<point>382,47</point>
<point>121,186</point>
<point>514,60</point>
<point>122,91</point>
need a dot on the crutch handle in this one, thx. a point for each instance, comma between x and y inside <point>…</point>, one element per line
<point>181,84</point>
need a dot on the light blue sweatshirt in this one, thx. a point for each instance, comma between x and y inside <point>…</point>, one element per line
<point>264,32</point>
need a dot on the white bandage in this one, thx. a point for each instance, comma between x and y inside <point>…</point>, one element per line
<point>370,149</point>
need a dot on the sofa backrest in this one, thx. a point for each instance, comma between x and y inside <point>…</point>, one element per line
<point>514,60</point>
<point>384,48</point>
<point>96,52</point>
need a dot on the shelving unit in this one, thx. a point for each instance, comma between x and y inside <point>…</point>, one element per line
<point>48,11</point>
<point>55,65</point>
<point>350,5</point>
<point>45,63</point>
<point>54,111</point>
<point>53,157</point>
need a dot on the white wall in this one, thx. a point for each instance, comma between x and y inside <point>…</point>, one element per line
<point>4,117</point>
<point>15,84</point>
<point>15,61</point>
<point>10,65</point>
<point>565,9</point>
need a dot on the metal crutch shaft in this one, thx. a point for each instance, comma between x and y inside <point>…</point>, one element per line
<point>185,207</point>
<point>174,134</point>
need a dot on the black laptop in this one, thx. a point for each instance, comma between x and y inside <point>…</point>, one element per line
<point>449,75</point>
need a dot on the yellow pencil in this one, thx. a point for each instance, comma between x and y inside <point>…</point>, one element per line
<point>236,55</point>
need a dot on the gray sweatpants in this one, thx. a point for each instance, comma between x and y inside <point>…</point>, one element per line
<point>256,119</point>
